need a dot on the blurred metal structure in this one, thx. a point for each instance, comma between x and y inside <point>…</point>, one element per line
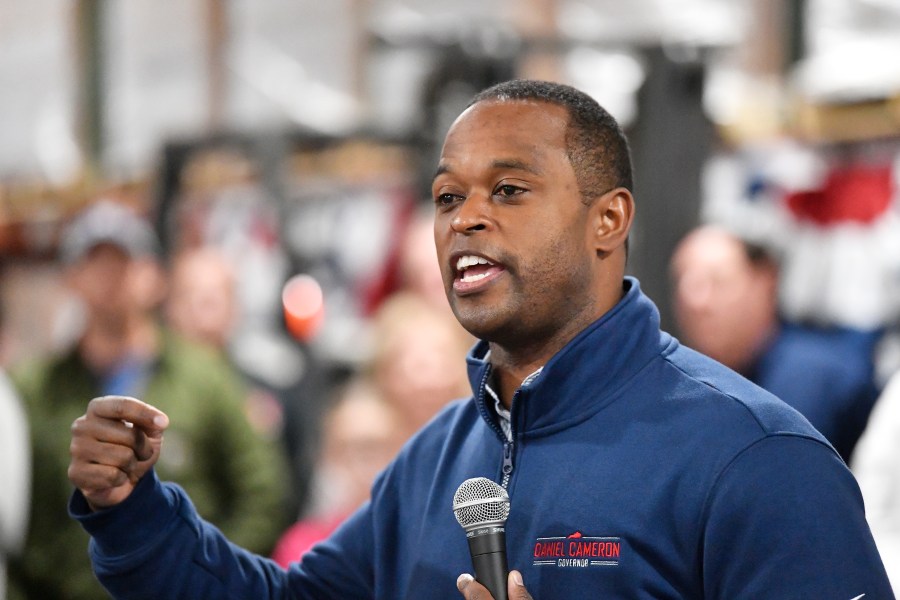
<point>97,93</point>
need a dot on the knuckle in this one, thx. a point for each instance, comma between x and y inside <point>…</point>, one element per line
<point>118,478</point>
<point>78,424</point>
<point>115,407</point>
<point>121,457</point>
<point>107,406</point>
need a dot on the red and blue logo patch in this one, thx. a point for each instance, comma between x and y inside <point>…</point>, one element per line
<point>577,550</point>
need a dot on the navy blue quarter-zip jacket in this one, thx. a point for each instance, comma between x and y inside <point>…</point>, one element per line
<point>638,469</point>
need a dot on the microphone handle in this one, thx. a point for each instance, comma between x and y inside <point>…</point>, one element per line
<point>489,560</point>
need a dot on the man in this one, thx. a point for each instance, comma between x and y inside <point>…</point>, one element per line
<point>726,306</point>
<point>636,468</point>
<point>110,264</point>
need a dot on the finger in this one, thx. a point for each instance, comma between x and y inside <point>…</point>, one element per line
<point>105,430</point>
<point>102,486</point>
<point>91,430</point>
<point>149,419</point>
<point>93,478</point>
<point>145,446</point>
<point>471,589</point>
<point>516,587</point>
<point>90,451</point>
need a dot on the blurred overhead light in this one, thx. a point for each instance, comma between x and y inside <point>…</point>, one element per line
<point>855,71</point>
<point>613,78</point>
<point>56,148</point>
<point>284,82</point>
<point>653,22</point>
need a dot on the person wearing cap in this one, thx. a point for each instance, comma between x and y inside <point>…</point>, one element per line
<point>110,261</point>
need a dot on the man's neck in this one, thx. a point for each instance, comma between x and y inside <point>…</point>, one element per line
<point>514,359</point>
<point>509,374</point>
<point>105,345</point>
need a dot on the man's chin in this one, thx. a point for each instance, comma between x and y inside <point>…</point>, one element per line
<point>485,323</point>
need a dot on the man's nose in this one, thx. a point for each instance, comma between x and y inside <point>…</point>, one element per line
<point>472,215</point>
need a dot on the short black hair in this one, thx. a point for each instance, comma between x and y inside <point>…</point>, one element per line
<point>595,143</point>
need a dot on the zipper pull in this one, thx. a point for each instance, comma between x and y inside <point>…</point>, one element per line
<point>507,462</point>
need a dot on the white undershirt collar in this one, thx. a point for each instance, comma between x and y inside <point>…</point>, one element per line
<point>505,419</point>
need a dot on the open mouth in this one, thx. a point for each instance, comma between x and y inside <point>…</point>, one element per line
<point>472,270</point>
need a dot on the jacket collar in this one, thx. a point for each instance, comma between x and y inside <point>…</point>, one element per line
<point>587,373</point>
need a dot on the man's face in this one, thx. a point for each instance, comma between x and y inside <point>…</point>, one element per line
<point>511,232</point>
<point>725,306</point>
<point>99,278</point>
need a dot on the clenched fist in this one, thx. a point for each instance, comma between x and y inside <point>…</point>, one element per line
<point>114,444</point>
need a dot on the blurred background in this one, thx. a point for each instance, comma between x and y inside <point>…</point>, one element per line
<point>299,137</point>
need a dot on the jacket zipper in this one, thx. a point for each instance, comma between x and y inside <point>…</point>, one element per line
<point>508,446</point>
<point>507,463</point>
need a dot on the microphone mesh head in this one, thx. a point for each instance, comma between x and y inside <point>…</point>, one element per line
<point>480,501</point>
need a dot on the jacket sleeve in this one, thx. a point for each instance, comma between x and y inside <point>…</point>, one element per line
<point>155,546</point>
<point>786,520</point>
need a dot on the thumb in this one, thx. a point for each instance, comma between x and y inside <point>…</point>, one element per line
<point>148,432</point>
<point>147,443</point>
<point>516,587</point>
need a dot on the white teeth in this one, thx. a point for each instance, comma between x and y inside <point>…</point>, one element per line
<point>464,262</point>
<point>471,278</point>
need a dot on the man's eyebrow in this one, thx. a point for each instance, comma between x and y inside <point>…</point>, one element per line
<point>516,165</point>
<point>440,171</point>
<point>503,163</point>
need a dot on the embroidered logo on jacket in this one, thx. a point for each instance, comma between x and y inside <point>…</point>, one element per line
<point>577,550</point>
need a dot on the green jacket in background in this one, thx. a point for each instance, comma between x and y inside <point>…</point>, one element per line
<point>236,478</point>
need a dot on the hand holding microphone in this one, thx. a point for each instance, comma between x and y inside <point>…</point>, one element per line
<point>482,507</point>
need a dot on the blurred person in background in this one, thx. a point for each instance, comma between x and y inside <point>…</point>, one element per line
<point>876,464</point>
<point>202,305</point>
<point>15,472</point>
<point>361,433</point>
<point>418,358</point>
<point>726,306</point>
<point>110,262</point>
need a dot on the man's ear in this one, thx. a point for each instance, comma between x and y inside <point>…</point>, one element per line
<point>611,216</point>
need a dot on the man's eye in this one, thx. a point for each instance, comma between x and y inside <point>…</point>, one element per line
<point>445,199</point>
<point>508,190</point>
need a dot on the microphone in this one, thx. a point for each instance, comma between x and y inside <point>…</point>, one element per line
<point>481,507</point>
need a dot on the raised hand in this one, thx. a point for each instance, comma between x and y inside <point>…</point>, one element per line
<point>114,444</point>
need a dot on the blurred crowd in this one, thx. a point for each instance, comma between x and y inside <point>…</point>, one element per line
<point>282,418</point>
<point>278,464</point>
<point>792,278</point>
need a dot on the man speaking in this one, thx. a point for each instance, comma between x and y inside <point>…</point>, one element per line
<point>634,466</point>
